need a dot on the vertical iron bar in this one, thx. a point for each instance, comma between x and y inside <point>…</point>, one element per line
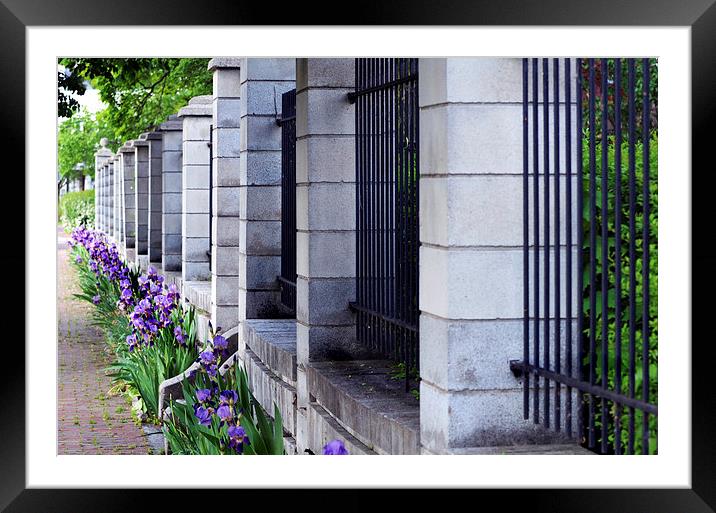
<point>373,213</point>
<point>632,249</point>
<point>592,249</point>
<point>568,230</point>
<point>547,249</point>
<point>535,193</point>
<point>617,250</point>
<point>645,256</point>
<point>557,256</point>
<point>359,198</point>
<point>525,241</point>
<point>605,248</point>
<point>580,248</point>
<point>211,189</point>
<point>416,202</point>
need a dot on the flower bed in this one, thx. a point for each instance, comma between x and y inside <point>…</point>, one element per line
<point>153,338</point>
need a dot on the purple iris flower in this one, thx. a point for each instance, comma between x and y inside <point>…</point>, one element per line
<point>78,259</point>
<point>203,415</point>
<point>335,447</point>
<point>228,397</point>
<point>220,343</point>
<point>203,395</point>
<point>95,299</point>
<point>126,293</point>
<point>237,438</point>
<point>225,413</point>
<point>151,271</point>
<point>207,357</point>
<point>179,334</point>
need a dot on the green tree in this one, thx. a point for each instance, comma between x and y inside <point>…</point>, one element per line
<point>139,93</point>
<point>77,141</point>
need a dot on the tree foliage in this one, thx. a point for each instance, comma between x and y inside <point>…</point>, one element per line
<point>77,141</point>
<point>139,93</point>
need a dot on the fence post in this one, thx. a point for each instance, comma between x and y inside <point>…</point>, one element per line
<point>196,118</point>
<point>154,195</point>
<point>141,173</point>
<point>325,220</point>
<point>224,192</point>
<point>171,193</point>
<point>263,81</point>
<point>116,205</point>
<point>100,157</point>
<point>471,267</point>
<point>127,152</point>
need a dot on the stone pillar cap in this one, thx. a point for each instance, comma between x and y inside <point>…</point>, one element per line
<point>103,150</point>
<point>172,123</point>
<point>149,136</point>
<point>197,106</point>
<point>139,142</point>
<point>126,148</point>
<point>224,62</point>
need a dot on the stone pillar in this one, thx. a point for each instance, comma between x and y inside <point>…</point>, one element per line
<point>102,188</point>
<point>196,117</point>
<point>141,198</point>
<point>110,197</point>
<point>225,192</point>
<point>116,196</point>
<point>263,81</point>
<point>325,219</point>
<point>471,264</point>
<point>127,151</point>
<point>100,158</point>
<point>171,193</point>
<point>154,224</point>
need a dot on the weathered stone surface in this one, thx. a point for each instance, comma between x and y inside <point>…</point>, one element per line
<point>368,403</point>
<point>273,341</point>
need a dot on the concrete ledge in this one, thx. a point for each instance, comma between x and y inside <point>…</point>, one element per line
<point>274,343</point>
<point>325,428</point>
<point>526,449</point>
<point>198,293</point>
<point>374,408</point>
<point>270,389</point>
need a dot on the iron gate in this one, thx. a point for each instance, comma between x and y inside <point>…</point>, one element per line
<point>387,239</point>
<point>287,122</point>
<point>610,201</point>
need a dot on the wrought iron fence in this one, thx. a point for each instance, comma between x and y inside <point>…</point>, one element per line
<point>287,122</point>
<point>588,171</point>
<point>387,239</point>
<point>211,190</point>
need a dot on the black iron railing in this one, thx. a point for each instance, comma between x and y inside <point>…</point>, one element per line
<point>387,239</point>
<point>211,189</point>
<point>287,122</point>
<point>606,194</point>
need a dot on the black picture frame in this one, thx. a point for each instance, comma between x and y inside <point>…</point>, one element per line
<point>700,15</point>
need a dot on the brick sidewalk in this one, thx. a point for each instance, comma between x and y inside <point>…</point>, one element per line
<point>89,421</point>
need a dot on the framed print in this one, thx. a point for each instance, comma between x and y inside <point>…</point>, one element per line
<point>437,239</point>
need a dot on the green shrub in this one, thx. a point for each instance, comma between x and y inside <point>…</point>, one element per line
<point>626,266</point>
<point>77,209</point>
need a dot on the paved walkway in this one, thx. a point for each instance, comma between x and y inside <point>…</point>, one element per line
<point>89,421</point>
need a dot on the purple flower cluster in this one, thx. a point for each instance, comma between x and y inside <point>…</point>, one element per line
<point>150,309</point>
<point>104,258</point>
<point>154,311</point>
<point>210,358</point>
<point>213,404</point>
